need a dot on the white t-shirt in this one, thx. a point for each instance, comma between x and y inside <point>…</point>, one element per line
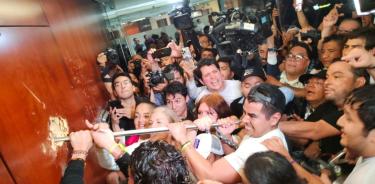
<point>363,172</point>
<point>231,91</point>
<point>250,146</point>
<point>294,83</point>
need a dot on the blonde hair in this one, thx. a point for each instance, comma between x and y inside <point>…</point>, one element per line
<point>172,116</point>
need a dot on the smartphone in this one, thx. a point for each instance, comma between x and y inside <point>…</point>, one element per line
<point>186,54</point>
<point>299,4</point>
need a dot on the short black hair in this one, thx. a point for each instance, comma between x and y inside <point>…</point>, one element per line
<point>158,162</point>
<point>174,67</point>
<point>339,39</point>
<point>366,33</point>
<point>270,168</point>
<point>270,96</point>
<point>174,88</point>
<point>363,100</point>
<point>225,60</point>
<point>120,74</point>
<point>213,51</point>
<point>303,45</point>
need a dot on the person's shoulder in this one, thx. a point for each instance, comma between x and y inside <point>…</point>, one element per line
<point>237,100</point>
<point>233,82</point>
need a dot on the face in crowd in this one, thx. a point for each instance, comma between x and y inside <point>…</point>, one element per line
<point>204,42</point>
<point>297,61</point>
<point>347,26</point>
<point>329,52</point>
<point>315,90</point>
<point>123,87</point>
<point>248,83</point>
<point>205,110</point>
<point>178,103</point>
<point>212,78</point>
<point>255,120</point>
<point>225,70</point>
<point>353,43</point>
<point>340,82</point>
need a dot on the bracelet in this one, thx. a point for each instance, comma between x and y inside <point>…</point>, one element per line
<point>113,147</point>
<point>292,162</point>
<point>185,145</point>
<point>225,140</point>
<point>119,145</point>
<point>122,147</point>
<point>80,152</point>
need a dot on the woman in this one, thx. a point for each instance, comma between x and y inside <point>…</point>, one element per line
<point>141,120</point>
<point>213,108</point>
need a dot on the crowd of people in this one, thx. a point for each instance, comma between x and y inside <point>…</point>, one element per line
<point>303,101</point>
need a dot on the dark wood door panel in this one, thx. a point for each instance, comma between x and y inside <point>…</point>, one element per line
<point>6,177</point>
<point>35,85</point>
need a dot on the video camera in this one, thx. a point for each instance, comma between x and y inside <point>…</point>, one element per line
<point>112,56</point>
<point>237,31</point>
<point>182,20</point>
<point>157,77</point>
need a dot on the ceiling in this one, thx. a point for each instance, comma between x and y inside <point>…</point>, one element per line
<point>128,10</point>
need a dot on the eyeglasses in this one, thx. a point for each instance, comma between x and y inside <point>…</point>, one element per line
<point>296,57</point>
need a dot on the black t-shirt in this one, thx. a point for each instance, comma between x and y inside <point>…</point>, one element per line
<point>322,110</point>
<point>125,123</point>
<point>331,145</point>
<point>237,106</point>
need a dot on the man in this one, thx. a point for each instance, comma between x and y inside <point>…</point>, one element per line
<point>262,111</point>
<point>208,53</point>
<point>208,74</point>
<point>331,50</point>
<point>362,39</point>
<point>296,64</point>
<point>252,76</point>
<point>341,80</point>
<point>348,25</point>
<point>138,47</point>
<point>204,41</point>
<point>175,72</point>
<point>358,133</point>
<point>122,109</point>
<point>176,97</point>
<point>225,68</point>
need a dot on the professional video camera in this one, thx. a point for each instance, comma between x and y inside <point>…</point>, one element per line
<point>112,56</point>
<point>240,31</point>
<point>182,20</point>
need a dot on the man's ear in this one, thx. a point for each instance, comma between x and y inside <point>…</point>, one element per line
<point>275,118</point>
<point>359,82</point>
<point>231,74</point>
<point>187,98</point>
<point>371,136</point>
<point>372,51</point>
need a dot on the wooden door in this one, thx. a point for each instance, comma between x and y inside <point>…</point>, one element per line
<point>47,66</point>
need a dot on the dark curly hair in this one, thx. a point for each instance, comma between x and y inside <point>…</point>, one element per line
<point>158,162</point>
